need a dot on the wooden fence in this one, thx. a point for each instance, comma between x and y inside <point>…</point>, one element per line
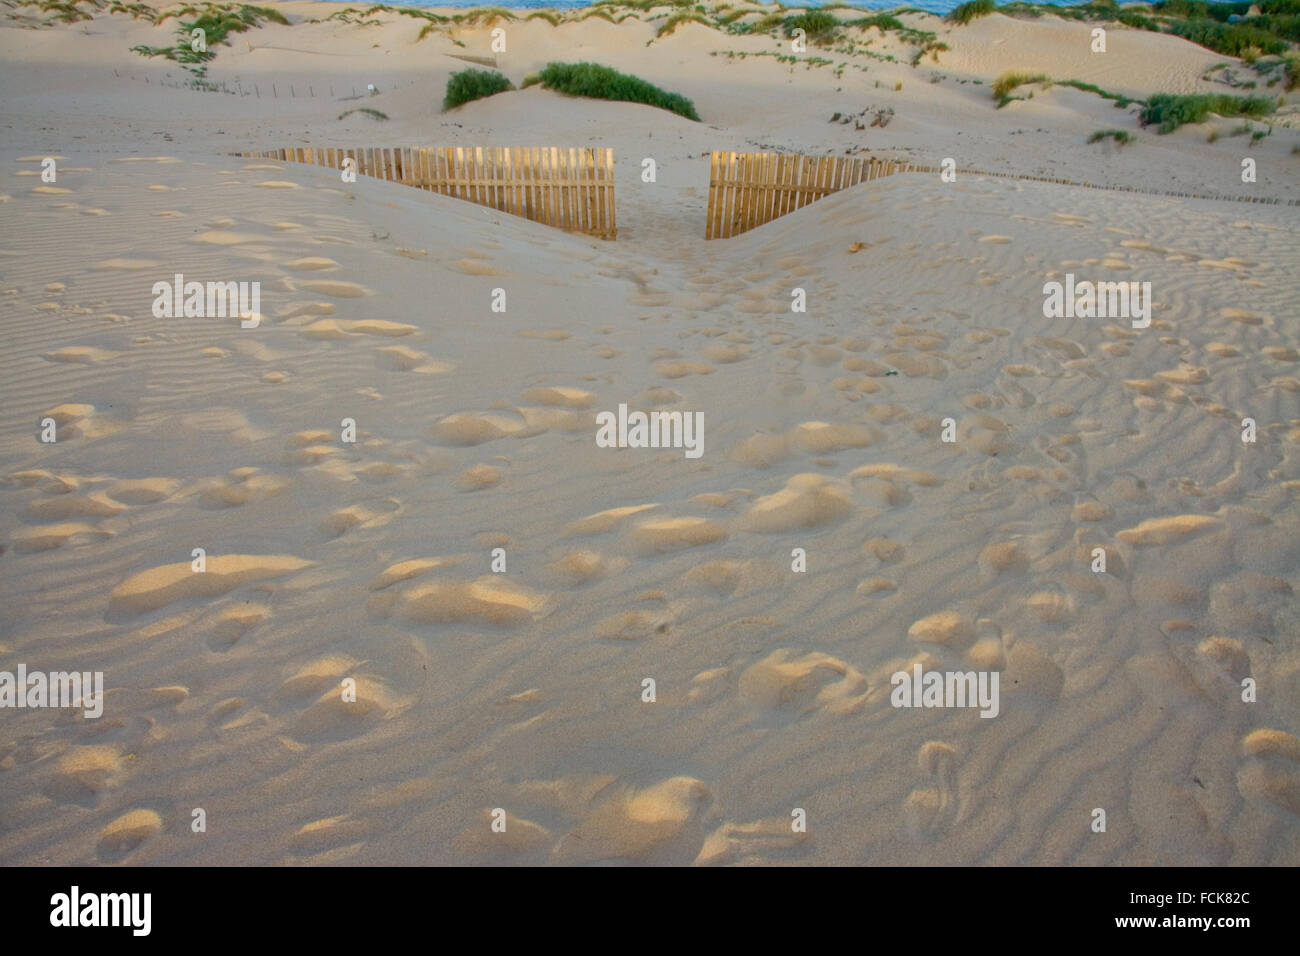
<point>749,189</point>
<point>571,188</point>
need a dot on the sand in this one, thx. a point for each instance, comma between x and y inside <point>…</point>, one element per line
<point>474,690</point>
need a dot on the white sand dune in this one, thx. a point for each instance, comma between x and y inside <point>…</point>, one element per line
<point>372,560</point>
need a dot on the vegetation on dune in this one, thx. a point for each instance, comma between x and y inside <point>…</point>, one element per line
<point>606,83</point>
<point>1120,99</point>
<point>1121,137</point>
<point>1229,39</point>
<point>1168,111</point>
<point>473,84</point>
<point>1198,21</point>
<point>967,12</point>
<point>669,26</point>
<point>883,22</point>
<point>217,21</point>
<point>482,16</point>
<point>1012,79</point>
<point>817,25</point>
<point>1267,41</point>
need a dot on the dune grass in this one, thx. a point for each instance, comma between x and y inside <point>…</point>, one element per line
<point>605,83</point>
<point>1168,111</point>
<point>969,11</point>
<point>473,85</point>
<point>1008,81</point>
<point>818,25</point>
<point>217,21</point>
<point>1121,137</point>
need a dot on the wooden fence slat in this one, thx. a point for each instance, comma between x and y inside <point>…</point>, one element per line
<point>570,188</point>
<point>593,191</point>
<point>569,163</point>
<point>714,189</point>
<point>753,180</point>
<point>737,195</point>
<point>531,180</point>
<point>742,193</point>
<point>589,171</point>
<point>733,195</point>
<point>773,180</point>
<point>515,188</point>
<point>790,183</point>
<point>776,172</point>
<point>609,187</point>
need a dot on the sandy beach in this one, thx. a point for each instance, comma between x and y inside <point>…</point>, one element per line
<point>915,473</point>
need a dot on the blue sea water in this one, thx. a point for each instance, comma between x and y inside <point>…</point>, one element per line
<point>931,6</point>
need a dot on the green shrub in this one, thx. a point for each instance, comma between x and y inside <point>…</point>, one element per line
<point>1231,39</point>
<point>1131,18</point>
<point>217,21</point>
<point>816,25</point>
<point>605,83</point>
<point>473,85</point>
<point>1191,9</point>
<point>1172,110</point>
<point>1292,67</point>
<point>967,12</point>
<point>881,21</point>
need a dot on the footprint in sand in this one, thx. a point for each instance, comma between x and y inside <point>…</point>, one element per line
<point>1270,770</point>
<point>334,329</point>
<point>477,428</point>
<point>81,355</point>
<point>664,535</point>
<point>486,600</point>
<point>479,477</point>
<point>125,834</point>
<point>334,287</point>
<point>402,359</point>
<point>333,718</point>
<point>312,264</point>
<point>603,521</point>
<point>169,583</point>
<point>48,537</point>
<point>752,843</point>
<point>794,685</point>
<point>930,810</point>
<point>230,624</point>
<point>807,501</point>
<point>83,774</point>
<point>662,824</point>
